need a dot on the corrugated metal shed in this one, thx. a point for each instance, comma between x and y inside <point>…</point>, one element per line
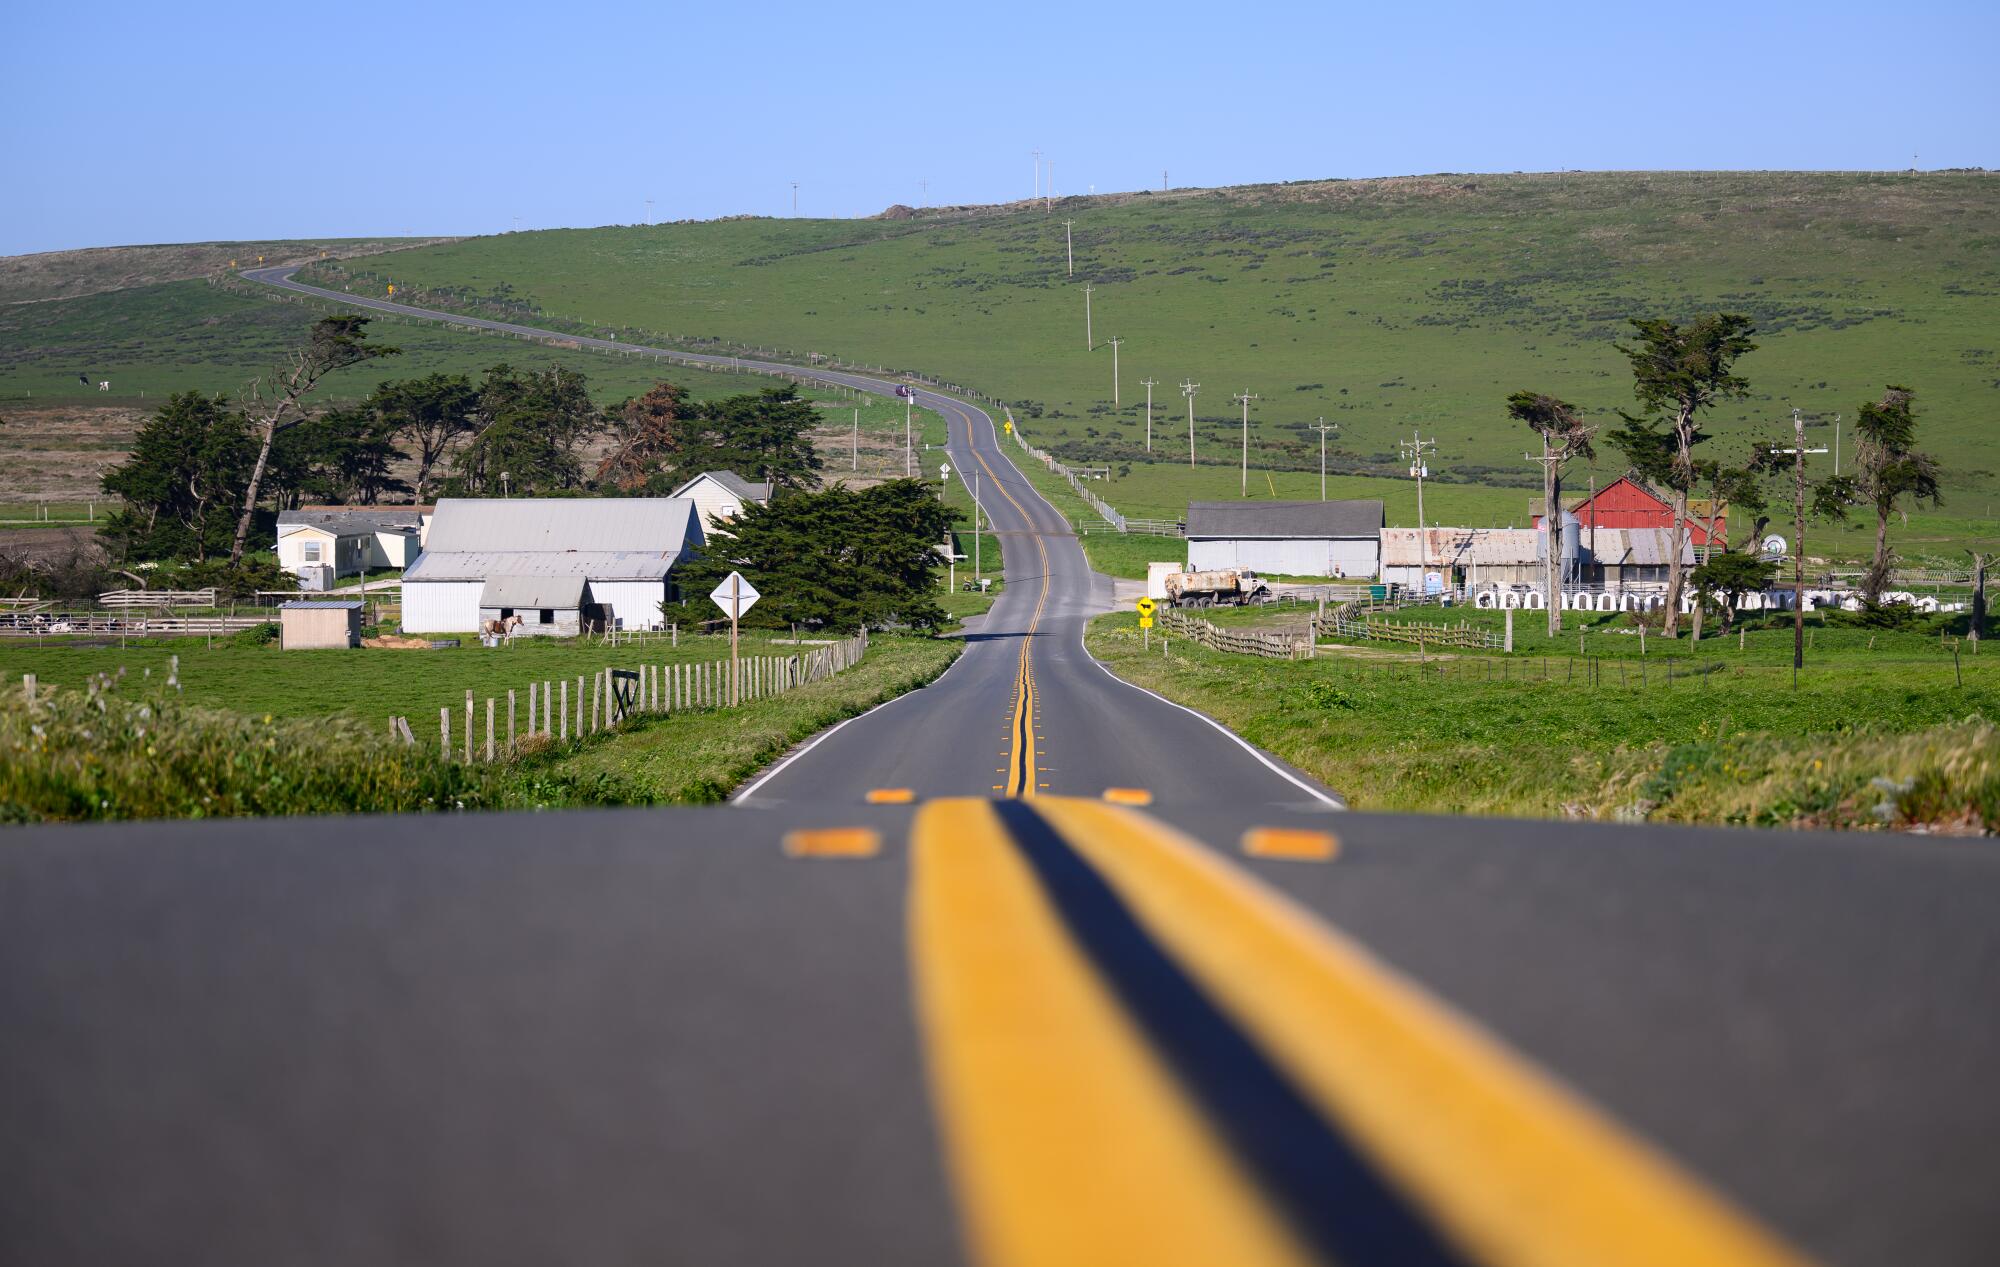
<point>1284,520</point>
<point>320,604</point>
<point>532,591</point>
<point>1459,547</point>
<point>479,565</point>
<point>662,525</point>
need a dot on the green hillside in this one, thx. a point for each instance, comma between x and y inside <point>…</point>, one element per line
<point>1382,305</point>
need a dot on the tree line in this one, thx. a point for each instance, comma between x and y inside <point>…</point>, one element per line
<point>1680,372</point>
<point>205,472</point>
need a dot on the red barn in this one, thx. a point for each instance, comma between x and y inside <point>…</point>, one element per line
<point>1626,503</point>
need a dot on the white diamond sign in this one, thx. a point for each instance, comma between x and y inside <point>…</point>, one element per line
<point>735,595</point>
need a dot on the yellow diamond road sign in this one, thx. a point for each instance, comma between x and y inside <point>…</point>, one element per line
<point>1146,606</point>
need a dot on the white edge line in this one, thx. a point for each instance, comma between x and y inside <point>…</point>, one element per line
<point>831,731</point>
<point>1317,794</point>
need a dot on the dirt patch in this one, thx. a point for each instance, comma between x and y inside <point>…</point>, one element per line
<point>41,545</point>
<point>60,453</point>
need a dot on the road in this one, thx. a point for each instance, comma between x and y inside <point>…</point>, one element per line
<point>1233,1025</point>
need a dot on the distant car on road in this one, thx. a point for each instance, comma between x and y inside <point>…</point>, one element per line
<point>904,389</point>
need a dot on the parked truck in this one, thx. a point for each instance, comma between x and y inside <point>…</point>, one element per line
<point>1225,587</point>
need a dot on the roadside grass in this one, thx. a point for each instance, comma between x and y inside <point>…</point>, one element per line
<point>1382,305</point>
<point>702,756</point>
<point>368,684</point>
<point>110,749</point>
<point>1735,744</point>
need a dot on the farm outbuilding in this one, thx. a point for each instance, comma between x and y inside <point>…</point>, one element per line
<point>314,624</point>
<point>722,495</point>
<point>563,565</point>
<point>1335,538</point>
<point>324,543</point>
<point>1429,559</point>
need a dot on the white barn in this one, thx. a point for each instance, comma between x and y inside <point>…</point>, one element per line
<point>722,495</point>
<point>562,564</point>
<point>1336,538</point>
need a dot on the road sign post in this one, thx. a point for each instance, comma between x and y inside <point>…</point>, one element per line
<point>735,596</point>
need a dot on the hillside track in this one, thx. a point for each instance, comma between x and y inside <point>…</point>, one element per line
<point>922,995</point>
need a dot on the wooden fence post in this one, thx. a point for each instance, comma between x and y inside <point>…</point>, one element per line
<point>579,706</point>
<point>468,727</point>
<point>489,730</point>
<point>444,732</point>
<point>531,708</point>
<point>565,711</point>
<point>510,721</point>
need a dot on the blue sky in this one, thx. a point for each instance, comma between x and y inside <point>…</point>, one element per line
<point>124,123</point>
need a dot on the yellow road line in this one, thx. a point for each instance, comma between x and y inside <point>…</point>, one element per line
<point>890,796</point>
<point>1021,780</point>
<point>833,842</point>
<point>1128,796</point>
<point>1290,842</point>
<point>1069,1144</point>
<point>1517,1170</point>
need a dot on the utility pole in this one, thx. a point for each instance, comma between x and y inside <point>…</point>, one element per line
<point>1049,195</point>
<point>1163,180</point>
<point>1245,398</point>
<point>856,455</point>
<point>1798,453</point>
<point>1149,412</point>
<point>1188,390</point>
<point>795,197</point>
<point>1037,156</point>
<point>1114,370</point>
<point>925,187</point>
<point>1089,342</point>
<point>1323,426</point>
<point>909,452</point>
<point>649,212</point>
<point>1069,246</point>
<point>1414,449</point>
<point>975,525</point>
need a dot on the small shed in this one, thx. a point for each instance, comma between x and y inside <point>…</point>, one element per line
<point>1297,538</point>
<point>311,624</point>
<point>551,605</point>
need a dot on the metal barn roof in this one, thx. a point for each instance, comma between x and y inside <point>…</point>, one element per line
<point>1282,520</point>
<point>595,565</point>
<point>1459,547</point>
<point>320,604</point>
<point>560,592</point>
<point>558,525</point>
<point>353,520</point>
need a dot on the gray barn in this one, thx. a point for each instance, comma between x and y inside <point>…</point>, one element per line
<point>1336,538</point>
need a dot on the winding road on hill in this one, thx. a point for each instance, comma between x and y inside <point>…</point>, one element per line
<point>1235,1026</point>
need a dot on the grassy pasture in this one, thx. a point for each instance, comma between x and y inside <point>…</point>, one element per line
<point>1381,305</point>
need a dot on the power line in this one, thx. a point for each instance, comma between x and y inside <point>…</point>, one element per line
<point>1069,247</point>
<point>1149,412</point>
<point>1188,390</point>
<point>1089,342</point>
<point>1323,426</point>
<point>1413,451</point>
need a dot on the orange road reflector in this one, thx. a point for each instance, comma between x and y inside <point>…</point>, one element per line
<point>891,796</point>
<point>1128,796</point>
<point>833,842</point>
<point>1295,843</point>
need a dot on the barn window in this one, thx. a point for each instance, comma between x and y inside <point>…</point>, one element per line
<point>506,613</point>
<point>548,615</point>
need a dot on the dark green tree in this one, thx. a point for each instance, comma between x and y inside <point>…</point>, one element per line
<point>272,402</point>
<point>1679,371</point>
<point>761,436</point>
<point>1565,436</point>
<point>341,456</point>
<point>188,466</point>
<point>1726,577</point>
<point>430,414</point>
<point>839,559</point>
<point>1888,471</point>
<point>530,429</point>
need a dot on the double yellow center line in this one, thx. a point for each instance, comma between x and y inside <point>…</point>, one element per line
<point>1021,767</point>
<point>1142,1055</point>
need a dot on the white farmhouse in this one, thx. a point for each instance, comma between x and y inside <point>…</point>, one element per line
<point>563,565</point>
<point>324,543</point>
<point>722,495</point>
<point>1338,538</point>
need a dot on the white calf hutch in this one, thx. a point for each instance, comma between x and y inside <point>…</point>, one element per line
<point>562,565</point>
<point>314,624</point>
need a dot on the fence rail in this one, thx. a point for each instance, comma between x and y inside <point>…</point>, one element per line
<point>1287,644</point>
<point>616,692</point>
<point>38,624</point>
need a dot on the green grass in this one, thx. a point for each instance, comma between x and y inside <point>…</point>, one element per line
<point>1737,744</point>
<point>702,756</point>
<point>1381,305</point>
<point>365,684</point>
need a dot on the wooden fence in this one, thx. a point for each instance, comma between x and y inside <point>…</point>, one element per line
<point>603,699</point>
<point>1343,623</point>
<point>1286,644</point>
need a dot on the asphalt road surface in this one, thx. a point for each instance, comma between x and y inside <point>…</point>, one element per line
<point>1004,1020</point>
